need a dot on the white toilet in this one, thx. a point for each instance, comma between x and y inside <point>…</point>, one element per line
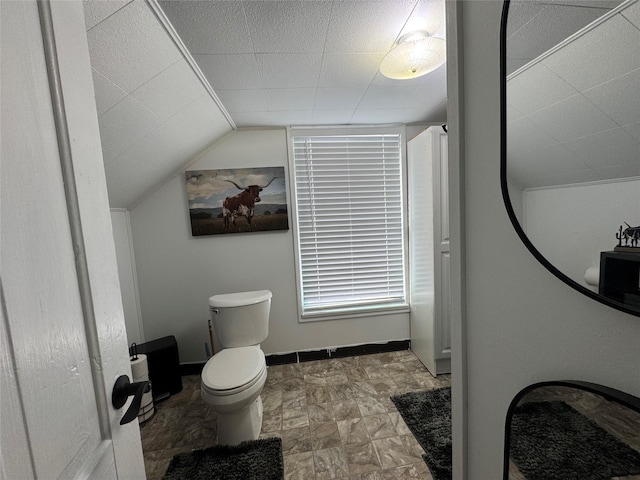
<point>234,377</point>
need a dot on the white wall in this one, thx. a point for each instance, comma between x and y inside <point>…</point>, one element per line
<point>177,273</point>
<point>127,275</point>
<point>522,324</point>
<point>571,225</point>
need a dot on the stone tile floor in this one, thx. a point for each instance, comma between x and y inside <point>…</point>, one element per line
<point>336,419</point>
<point>334,416</point>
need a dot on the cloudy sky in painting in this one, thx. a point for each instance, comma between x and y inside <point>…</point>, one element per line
<point>209,188</point>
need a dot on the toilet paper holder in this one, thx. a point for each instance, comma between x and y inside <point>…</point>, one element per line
<point>123,389</point>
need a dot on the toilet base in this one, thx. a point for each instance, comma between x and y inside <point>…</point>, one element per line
<point>241,425</point>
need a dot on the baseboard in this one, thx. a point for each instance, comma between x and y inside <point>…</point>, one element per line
<point>310,355</point>
<point>194,368</point>
<point>337,352</point>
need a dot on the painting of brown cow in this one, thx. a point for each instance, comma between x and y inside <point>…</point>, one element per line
<point>242,204</point>
<point>237,200</point>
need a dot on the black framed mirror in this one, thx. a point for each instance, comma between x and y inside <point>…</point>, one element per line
<point>572,430</point>
<point>570,140</point>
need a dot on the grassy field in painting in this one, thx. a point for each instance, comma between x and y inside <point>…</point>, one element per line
<point>261,223</point>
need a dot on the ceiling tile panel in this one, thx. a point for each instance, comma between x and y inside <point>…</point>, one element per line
<point>290,117</point>
<point>512,114</point>
<point>521,16</point>
<point>107,93</point>
<point>123,188</point>
<point>582,176</point>
<point>348,70</point>
<point>210,27</point>
<point>95,11</point>
<point>230,71</point>
<point>613,147</point>
<point>525,136</point>
<point>514,63</point>
<point>551,26</point>
<point>140,182</point>
<point>526,174</point>
<point>116,44</point>
<point>619,98</point>
<point>537,88</point>
<point>554,160</point>
<point>429,16</point>
<point>292,70</point>
<point>290,98</point>
<point>387,97</point>
<point>287,26</point>
<point>125,124</point>
<point>243,100</point>
<point>633,130</point>
<point>170,91</point>
<point>621,171</point>
<point>338,98</point>
<point>200,124</point>
<point>387,115</point>
<point>605,52</point>
<point>331,117</point>
<point>108,155</point>
<point>632,14</point>
<point>156,150</point>
<point>352,24</point>
<point>571,118</point>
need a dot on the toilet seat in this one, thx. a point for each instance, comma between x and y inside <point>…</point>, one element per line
<point>233,370</point>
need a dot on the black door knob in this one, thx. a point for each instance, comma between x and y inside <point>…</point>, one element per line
<point>122,390</point>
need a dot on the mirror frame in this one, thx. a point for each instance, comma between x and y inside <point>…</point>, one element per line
<point>607,393</point>
<point>505,190</point>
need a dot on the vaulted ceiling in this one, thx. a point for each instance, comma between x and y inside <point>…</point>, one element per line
<point>172,78</point>
<point>574,112</point>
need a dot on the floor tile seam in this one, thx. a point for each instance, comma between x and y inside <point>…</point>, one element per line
<point>374,451</point>
<point>353,473</point>
<point>406,453</point>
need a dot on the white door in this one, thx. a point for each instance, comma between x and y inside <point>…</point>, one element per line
<point>63,340</point>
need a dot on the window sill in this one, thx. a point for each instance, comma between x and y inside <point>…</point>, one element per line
<point>353,312</point>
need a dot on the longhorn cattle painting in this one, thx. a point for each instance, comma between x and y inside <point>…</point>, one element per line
<point>237,200</point>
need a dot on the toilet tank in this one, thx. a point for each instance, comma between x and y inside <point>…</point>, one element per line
<point>240,319</point>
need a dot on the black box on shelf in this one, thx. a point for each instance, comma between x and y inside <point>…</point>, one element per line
<point>164,366</point>
<point>620,277</point>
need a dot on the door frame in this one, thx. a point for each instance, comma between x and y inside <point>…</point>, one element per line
<point>455,126</point>
<point>117,451</point>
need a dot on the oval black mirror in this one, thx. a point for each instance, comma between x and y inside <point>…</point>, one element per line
<point>570,165</point>
<point>563,430</point>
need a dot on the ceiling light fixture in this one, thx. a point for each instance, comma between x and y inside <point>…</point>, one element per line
<point>416,54</point>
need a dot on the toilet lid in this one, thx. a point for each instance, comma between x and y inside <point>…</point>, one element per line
<point>233,367</point>
<point>240,299</point>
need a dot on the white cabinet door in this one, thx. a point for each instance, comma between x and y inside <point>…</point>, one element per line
<point>429,250</point>
<point>442,249</point>
<point>63,340</point>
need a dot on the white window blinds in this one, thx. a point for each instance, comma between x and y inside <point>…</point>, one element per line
<point>349,221</point>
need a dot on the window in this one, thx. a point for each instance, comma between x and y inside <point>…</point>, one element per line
<point>350,221</point>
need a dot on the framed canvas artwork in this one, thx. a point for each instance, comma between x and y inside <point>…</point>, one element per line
<point>237,200</point>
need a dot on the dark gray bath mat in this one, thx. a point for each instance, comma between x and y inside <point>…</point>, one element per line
<point>252,460</point>
<point>549,440</point>
<point>428,416</point>
<point>553,441</point>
